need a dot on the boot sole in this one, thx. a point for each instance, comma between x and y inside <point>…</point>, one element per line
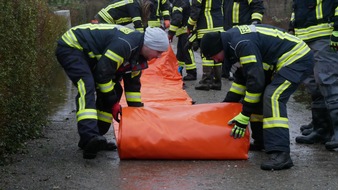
<point>90,151</point>
<point>286,165</point>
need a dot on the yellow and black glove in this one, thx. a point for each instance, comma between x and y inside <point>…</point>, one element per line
<point>241,122</point>
<point>334,41</point>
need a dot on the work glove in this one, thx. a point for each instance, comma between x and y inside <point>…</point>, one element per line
<point>166,23</point>
<point>180,69</point>
<point>241,122</point>
<point>334,41</point>
<point>117,112</point>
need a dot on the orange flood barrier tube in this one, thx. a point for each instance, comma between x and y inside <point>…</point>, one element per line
<point>181,132</point>
<point>170,127</point>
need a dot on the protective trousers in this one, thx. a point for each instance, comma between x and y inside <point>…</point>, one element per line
<point>185,55</point>
<point>326,77</point>
<point>284,83</point>
<point>78,69</point>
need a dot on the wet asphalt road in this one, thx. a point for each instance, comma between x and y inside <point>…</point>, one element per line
<point>55,162</point>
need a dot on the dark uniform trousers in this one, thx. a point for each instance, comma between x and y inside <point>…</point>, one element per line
<point>284,83</point>
<point>79,70</point>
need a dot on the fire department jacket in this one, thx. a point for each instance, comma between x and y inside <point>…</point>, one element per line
<point>114,53</point>
<point>240,12</point>
<point>159,10</point>
<point>205,16</point>
<point>121,12</point>
<point>314,19</point>
<point>179,17</point>
<point>261,50</point>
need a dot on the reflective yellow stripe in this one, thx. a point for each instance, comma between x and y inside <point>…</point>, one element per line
<point>133,96</point>
<point>293,55</point>
<point>336,12</point>
<point>134,19</point>
<point>237,88</point>
<point>191,21</point>
<point>248,59</point>
<point>92,55</point>
<point>275,98</point>
<point>273,122</point>
<point>86,114</point>
<point>180,9</point>
<point>207,14</point>
<point>319,9</point>
<point>173,28</point>
<point>154,23</point>
<point>316,31</point>
<point>135,73</point>
<point>277,33</point>
<point>181,63</point>
<point>107,87</point>
<point>252,97</point>
<point>71,40</point>
<point>81,88</point>
<point>256,118</point>
<point>257,16</point>
<point>115,57</point>
<point>123,20</point>
<point>104,116</point>
<point>235,13</point>
<point>201,32</point>
<point>267,67</point>
<point>182,30</point>
<point>106,16</point>
<point>207,62</point>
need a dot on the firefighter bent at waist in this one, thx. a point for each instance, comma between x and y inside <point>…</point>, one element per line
<point>96,57</point>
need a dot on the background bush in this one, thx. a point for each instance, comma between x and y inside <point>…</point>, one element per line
<point>28,34</point>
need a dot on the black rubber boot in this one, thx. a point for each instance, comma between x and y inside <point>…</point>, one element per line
<point>257,136</point>
<point>93,146</point>
<point>217,81</point>
<point>191,75</point>
<point>305,127</point>
<point>205,82</point>
<point>277,161</point>
<point>306,132</point>
<point>333,143</point>
<point>321,128</point>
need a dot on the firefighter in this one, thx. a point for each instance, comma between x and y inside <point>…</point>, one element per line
<point>240,12</point>
<point>316,22</point>
<point>121,12</point>
<point>96,57</point>
<point>159,10</point>
<point>207,16</point>
<point>263,50</point>
<point>178,27</point>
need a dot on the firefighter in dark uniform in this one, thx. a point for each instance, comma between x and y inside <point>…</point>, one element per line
<point>241,12</point>
<point>178,26</point>
<point>159,10</point>
<point>260,49</point>
<point>122,12</point>
<point>96,57</point>
<point>245,12</point>
<point>316,23</point>
<point>207,16</point>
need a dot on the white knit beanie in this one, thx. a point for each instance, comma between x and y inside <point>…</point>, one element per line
<point>156,39</point>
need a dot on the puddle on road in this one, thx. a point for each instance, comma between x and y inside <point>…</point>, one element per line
<point>61,96</point>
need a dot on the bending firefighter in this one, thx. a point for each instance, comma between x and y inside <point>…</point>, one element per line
<point>262,51</point>
<point>96,57</point>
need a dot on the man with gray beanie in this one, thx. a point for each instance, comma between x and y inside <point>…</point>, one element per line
<point>96,57</point>
<point>273,64</point>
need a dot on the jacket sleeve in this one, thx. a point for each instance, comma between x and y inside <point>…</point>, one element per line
<point>237,89</point>
<point>251,61</point>
<point>164,6</point>
<point>132,88</point>
<point>112,58</point>
<point>176,17</point>
<point>135,13</point>
<point>196,7</point>
<point>257,8</point>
